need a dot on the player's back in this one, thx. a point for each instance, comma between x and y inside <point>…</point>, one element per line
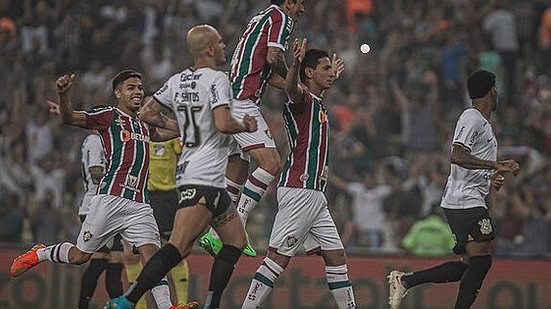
<point>192,95</point>
<point>249,72</point>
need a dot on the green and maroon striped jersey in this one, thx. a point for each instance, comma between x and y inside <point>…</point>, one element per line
<point>307,129</point>
<point>249,71</point>
<point>126,143</point>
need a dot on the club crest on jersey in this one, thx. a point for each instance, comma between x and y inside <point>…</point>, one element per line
<point>291,241</point>
<point>127,136</point>
<point>485,226</point>
<point>87,236</point>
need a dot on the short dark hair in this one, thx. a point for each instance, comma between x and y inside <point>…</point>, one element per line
<point>124,75</point>
<point>277,2</point>
<point>311,60</point>
<point>479,83</point>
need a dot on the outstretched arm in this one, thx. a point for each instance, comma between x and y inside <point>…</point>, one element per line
<point>226,123</point>
<point>68,115</point>
<point>152,113</point>
<point>292,85</point>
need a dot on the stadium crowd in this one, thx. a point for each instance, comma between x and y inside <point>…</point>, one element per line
<point>393,109</point>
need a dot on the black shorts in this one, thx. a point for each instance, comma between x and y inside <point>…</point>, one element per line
<point>165,205</point>
<point>115,245</point>
<point>471,224</point>
<point>216,200</point>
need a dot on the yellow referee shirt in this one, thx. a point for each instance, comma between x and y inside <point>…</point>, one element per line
<point>162,164</point>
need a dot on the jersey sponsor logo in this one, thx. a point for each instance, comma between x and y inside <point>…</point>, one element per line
<point>214,94</point>
<point>127,136</point>
<point>291,241</point>
<point>188,194</point>
<point>473,138</point>
<point>162,90</point>
<point>485,226</point>
<point>460,132</point>
<point>189,77</point>
<point>86,236</point>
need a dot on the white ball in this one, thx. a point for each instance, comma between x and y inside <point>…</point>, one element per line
<point>365,48</point>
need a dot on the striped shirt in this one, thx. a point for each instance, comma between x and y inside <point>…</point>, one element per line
<point>126,142</point>
<point>249,72</point>
<point>307,129</point>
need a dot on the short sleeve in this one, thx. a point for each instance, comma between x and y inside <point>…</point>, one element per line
<point>95,153</point>
<point>164,95</point>
<point>468,130</point>
<point>98,119</point>
<point>220,91</point>
<point>279,30</point>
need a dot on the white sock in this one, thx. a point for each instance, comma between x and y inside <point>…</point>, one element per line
<point>161,293</point>
<point>262,284</point>
<point>58,253</point>
<point>234,189</point>
<point>254,189</point>
<point>340,287</point>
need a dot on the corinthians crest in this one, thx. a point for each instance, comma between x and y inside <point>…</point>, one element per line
<point>485,226</point>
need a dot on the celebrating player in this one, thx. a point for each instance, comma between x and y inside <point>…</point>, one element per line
<point>121,204</point>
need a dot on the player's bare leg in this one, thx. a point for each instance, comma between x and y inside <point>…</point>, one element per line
<point>336,273</point>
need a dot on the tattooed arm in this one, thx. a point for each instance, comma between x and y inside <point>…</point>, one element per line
<point>276,59</point>
<point>155,114</point>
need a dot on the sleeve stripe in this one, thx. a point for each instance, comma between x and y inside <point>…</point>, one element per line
<point>460,144</point>
<point>220,105</point>
<point>271,44</point>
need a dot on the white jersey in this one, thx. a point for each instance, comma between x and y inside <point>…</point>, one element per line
<point>93,154</point>
<point>192,95</point>
<point>468,188</point>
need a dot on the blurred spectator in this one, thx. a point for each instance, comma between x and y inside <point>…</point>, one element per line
<point>430,236</point>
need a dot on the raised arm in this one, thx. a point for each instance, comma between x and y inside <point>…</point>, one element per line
<point>153,113</point>
<point>292,84</point>
<point>276,59</point>
<point>68,115</point>
<point>225,123</point>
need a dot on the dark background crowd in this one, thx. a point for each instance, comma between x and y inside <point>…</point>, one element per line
<point>392,114</point>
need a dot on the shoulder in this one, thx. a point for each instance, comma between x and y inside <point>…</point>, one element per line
<point>471,115</point>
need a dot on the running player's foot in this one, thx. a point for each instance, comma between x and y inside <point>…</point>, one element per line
<point>25,261</point>
<point>397,289</point>
<point>120,302</point>
<point>192,305</point>
<point>211,244</point>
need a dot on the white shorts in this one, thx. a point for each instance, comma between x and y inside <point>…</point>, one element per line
<point>110,215</point>
<point>303,219</point>
<point>261,138</point>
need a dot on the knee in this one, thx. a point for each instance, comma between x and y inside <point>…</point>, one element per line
<point>279,259</point>
<point>334,257</point>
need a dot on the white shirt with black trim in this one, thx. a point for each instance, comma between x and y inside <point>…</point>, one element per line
<point>468,188</point>
<point>92,154</point>
<point>192,95</point>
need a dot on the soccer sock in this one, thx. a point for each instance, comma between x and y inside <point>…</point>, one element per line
<point>113,282</point>
<point>448,272</point>
<point>161,294</point>
<point>470,285</point>
<point>132,272</point>
<point>58,253</point>
<point>233,189</point>
<point>153,271</point>
<point>180,275</point>
<point>262,283</point>
<point>89,281</point>
<point>253,191</point>
<point>222,269</point>
<point>340,286</point>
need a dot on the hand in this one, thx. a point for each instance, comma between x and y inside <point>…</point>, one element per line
<point>508,166</point>
<point>64,83</point>
<point>249,123</point>
<point>53,107</point>
<point>338,65</point>
<point>497,181</point>
<point>299,50</point>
